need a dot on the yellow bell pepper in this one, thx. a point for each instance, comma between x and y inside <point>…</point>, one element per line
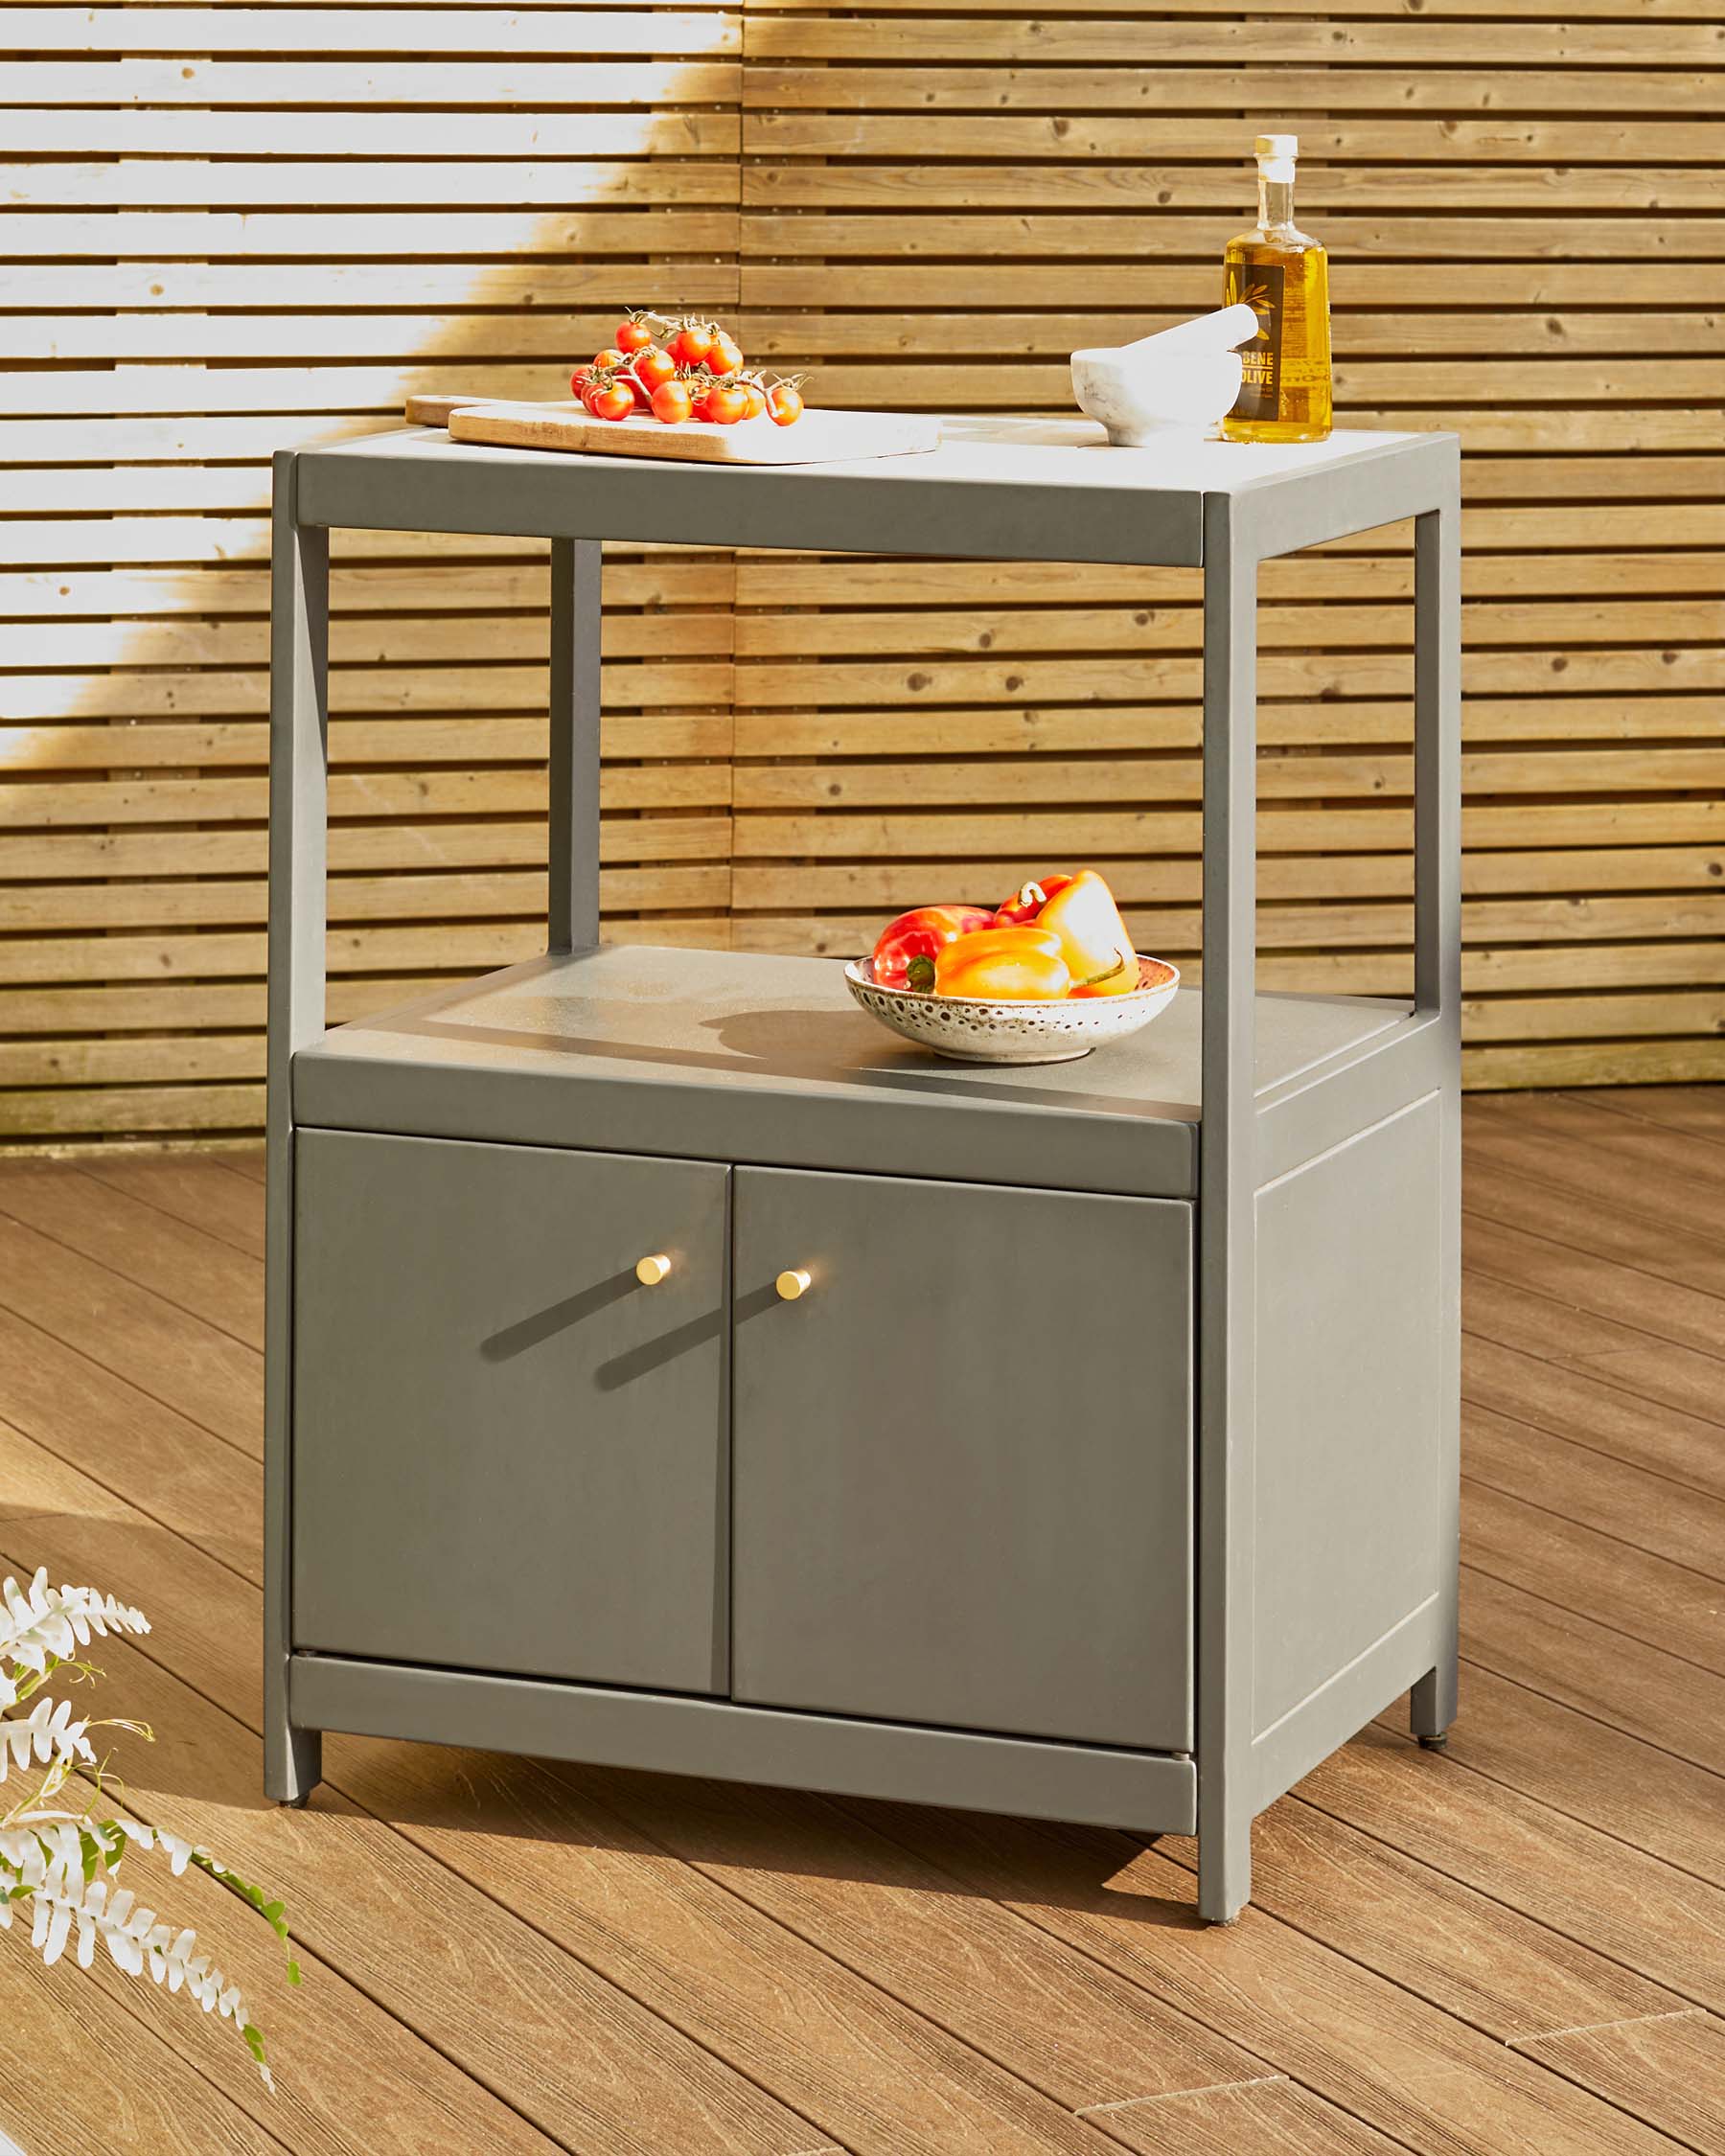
<point>1093,940</point>
<point>1120,981</point>
<point>1008,965</point>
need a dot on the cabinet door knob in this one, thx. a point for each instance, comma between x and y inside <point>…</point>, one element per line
<point>793,1283</point>
<point>650,1271</point>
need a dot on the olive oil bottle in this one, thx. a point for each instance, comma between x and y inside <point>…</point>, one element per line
<point>1283,276</point>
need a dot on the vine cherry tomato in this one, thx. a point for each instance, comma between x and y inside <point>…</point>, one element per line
<point>651,366</point>
<point>756,398</point>
<point>724,354</point>
<point>633,335</point>
<point>604,361</point>
<point>727,403</point>
<point>691,344</point>
<point>579,381</point>
<point>784,404</point>
<point>671,403</point>
<point>612,402</point>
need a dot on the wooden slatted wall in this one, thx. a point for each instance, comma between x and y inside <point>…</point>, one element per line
<point>221,222</point>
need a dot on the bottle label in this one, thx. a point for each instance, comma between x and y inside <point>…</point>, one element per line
<point>1259,284</point>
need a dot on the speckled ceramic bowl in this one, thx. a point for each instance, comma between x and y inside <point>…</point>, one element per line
<point>970,1029</point>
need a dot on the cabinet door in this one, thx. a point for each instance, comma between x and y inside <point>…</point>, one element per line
<point>509,1454</point>
<point>962,1477</point>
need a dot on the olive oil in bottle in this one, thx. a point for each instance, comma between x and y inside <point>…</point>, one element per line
<point>1283,276</point>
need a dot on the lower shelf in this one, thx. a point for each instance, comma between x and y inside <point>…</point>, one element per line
<point>1155,1793</point>
<point>738,1056</point>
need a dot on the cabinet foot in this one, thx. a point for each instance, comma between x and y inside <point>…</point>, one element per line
<point>1224,1871</point>
<point>293,1764</point>
<point>1438,1743</point>
<point>1432,1702</point>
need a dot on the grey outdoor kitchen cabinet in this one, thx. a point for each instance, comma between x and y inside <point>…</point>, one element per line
<point>668,1368</point>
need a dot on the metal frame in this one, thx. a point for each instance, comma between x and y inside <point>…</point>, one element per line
<point>1236,1781</point>
<point>985,507</point>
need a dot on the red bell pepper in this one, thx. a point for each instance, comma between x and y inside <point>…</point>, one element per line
<point>1028,901</point>
<point>905,955</point>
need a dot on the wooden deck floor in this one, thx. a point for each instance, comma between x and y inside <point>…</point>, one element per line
<point>1519,1947</point>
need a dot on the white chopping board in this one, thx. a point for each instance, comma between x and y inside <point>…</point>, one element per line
<point>818,437</point>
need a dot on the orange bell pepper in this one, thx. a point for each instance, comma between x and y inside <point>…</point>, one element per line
<point>1008,965</point>
<point>1093,940</point>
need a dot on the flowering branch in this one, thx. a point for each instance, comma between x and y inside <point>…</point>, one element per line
<point>61,1867</point>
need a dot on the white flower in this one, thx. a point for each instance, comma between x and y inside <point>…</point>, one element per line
<point>59,1869</point>
<point>49,1731</point>
<point>43,1620</point>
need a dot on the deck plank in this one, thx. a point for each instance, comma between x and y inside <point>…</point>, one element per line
<point>1508,1950</point>
<point>1526,1742</point>
<point>1629,1910</point>
<point>1088,2038</point>
<point>883,2078</point>
<point>1655,1183</point>
<point>1663,1517</point>
<point>1694,1111</point>
<point>1266,2117</point>
<point>176,1472</point>
<point>1605,1131</point>
<point>349,2079</point>
<point>194,1187</point>
<point>1648,1599</point>
<point>1411,2070</point>
<point>1642,1690</point>
<point>248,1161</point>
<point>1681,2056</point>
<point>1667,1373</point>
<point>1324,1862</point>
<point>1685,1265</point>
<point>1501,1930</point>
<point>589,2066</point>
<point>210,1377</point>
<point>738,1983</point>
<point>1575,1406</point>
<point>76,2056</point>
<point>1509,1249</point>
<point>195,1271</point>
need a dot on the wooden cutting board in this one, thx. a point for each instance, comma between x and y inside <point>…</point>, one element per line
<point>816,438</point>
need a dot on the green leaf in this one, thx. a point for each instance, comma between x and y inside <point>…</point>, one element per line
<point>273,1913</point>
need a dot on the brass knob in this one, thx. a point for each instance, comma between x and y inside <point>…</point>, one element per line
<point>650,1271</point>
<point>793,1283</point>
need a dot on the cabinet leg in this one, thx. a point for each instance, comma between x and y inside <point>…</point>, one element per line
<point>1224,1870</point>
<point>293,1764</point>
<point>1432,1704</point>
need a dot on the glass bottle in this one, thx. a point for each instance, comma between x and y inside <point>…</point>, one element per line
<point>1283,276</point>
